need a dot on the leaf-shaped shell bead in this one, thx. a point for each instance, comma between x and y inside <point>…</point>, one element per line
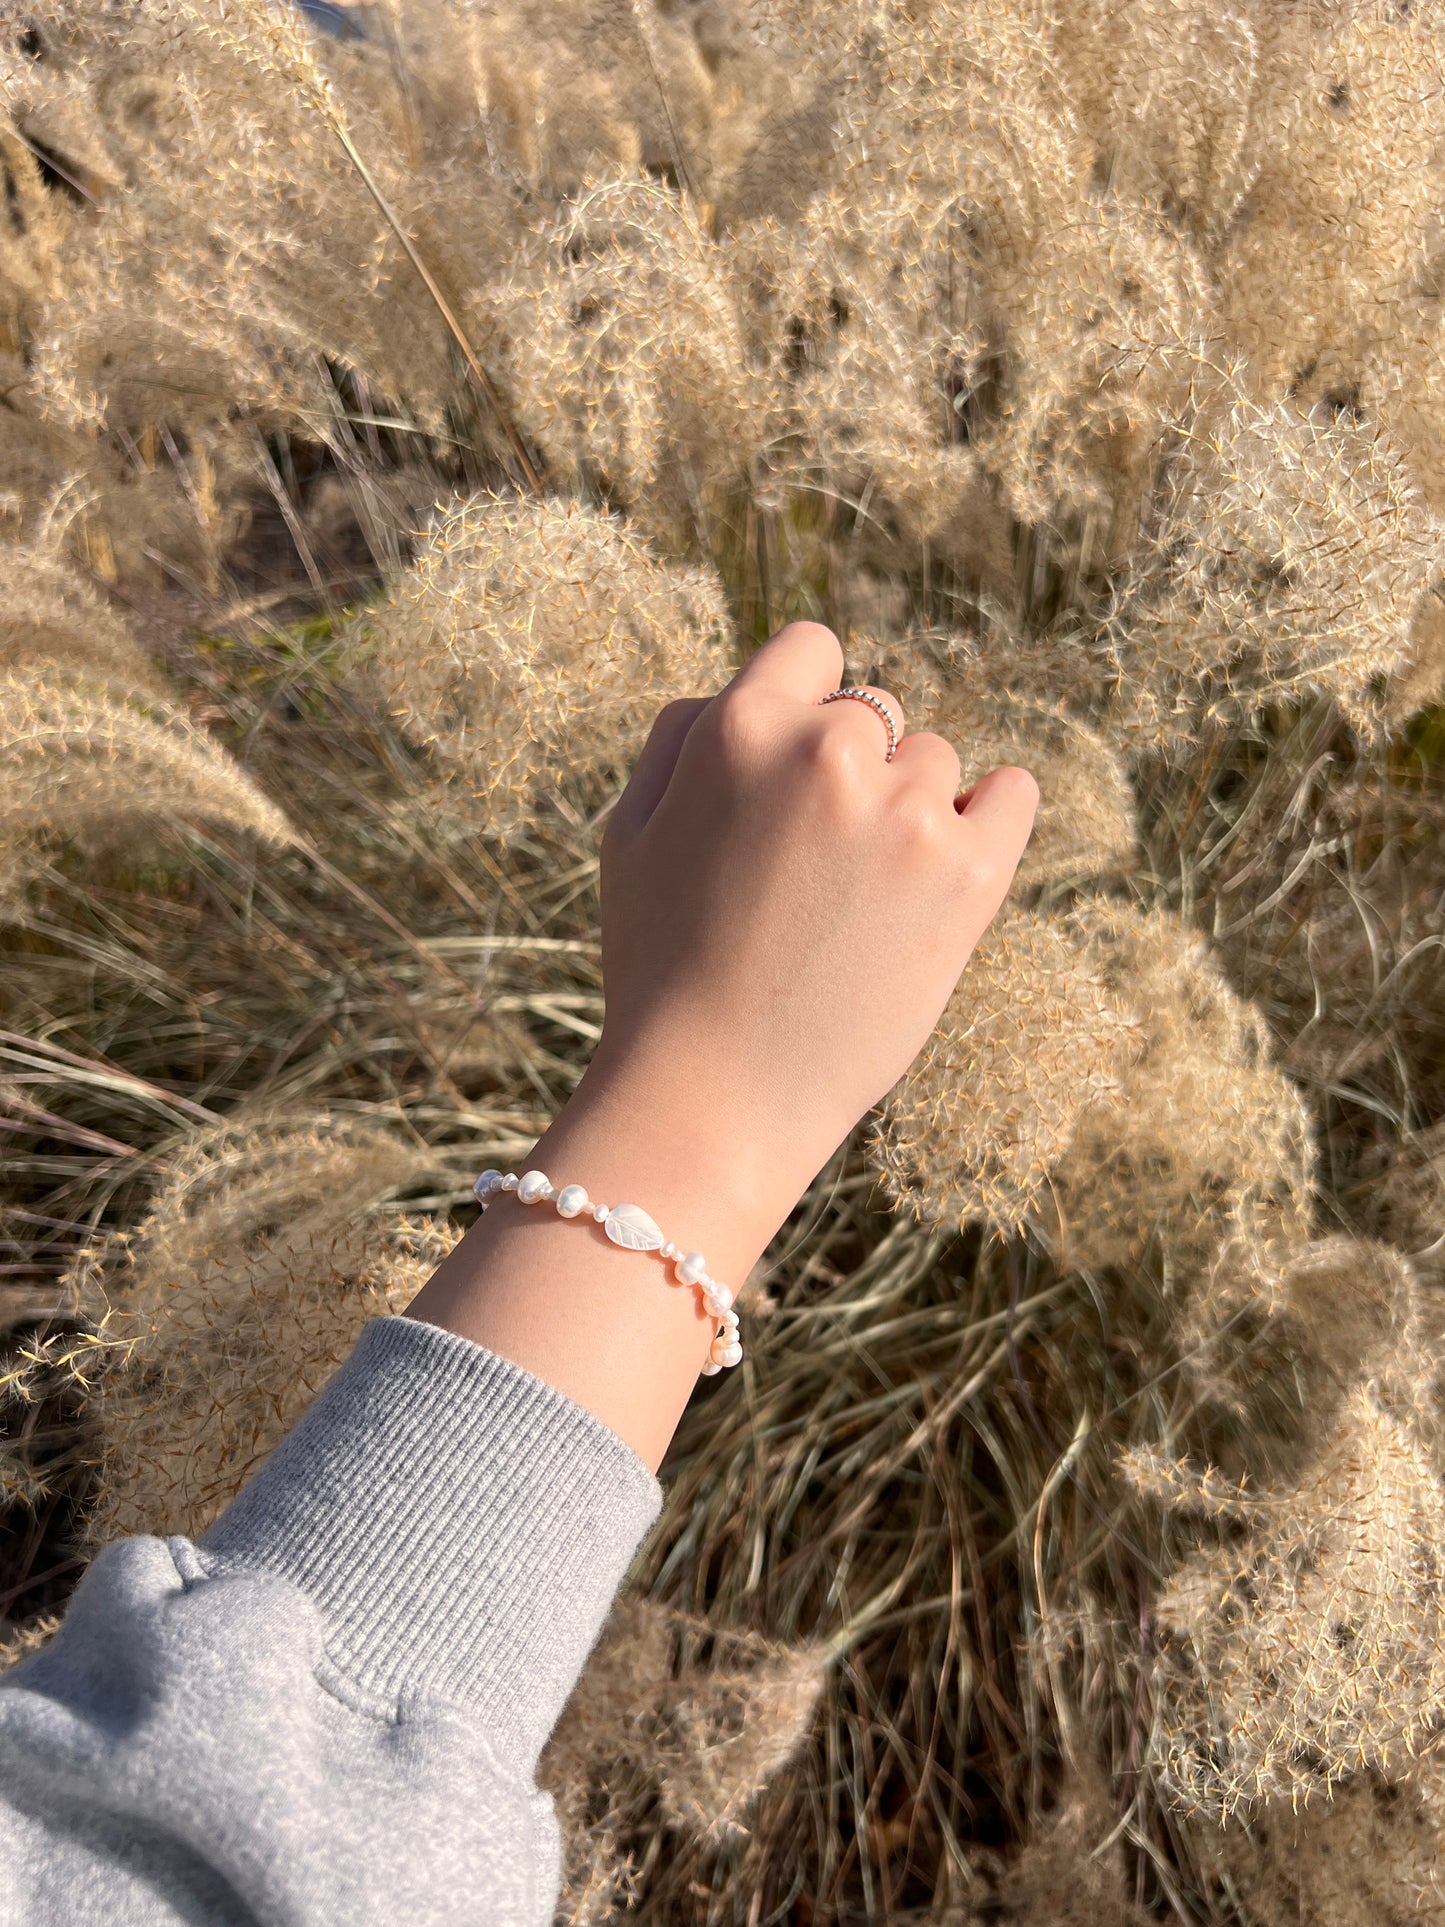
<point>629,1225</point>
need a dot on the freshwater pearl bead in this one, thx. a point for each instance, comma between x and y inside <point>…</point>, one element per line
<point>572,1199</point>
<point>690,1268</point>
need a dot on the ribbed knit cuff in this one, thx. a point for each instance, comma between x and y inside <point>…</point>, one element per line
<point>462,1525</point>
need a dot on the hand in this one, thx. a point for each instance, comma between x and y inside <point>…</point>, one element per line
<point>784,916</point>
<point>785,913</point>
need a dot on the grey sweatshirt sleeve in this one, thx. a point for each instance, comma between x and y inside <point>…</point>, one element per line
<point>330,1708</point>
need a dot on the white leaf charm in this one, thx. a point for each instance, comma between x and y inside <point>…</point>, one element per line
<point>628,1225</point>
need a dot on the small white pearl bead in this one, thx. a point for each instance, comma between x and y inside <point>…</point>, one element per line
<point>599,1212</point>
<point>669,1250</point>
<point>534,1185</point>
<point>723,1353</point>
<point>722,1297</point>
<point>486,1184</point>
<point>710,1370</point>
<point>572,1199</point>
<point>509,1182</point>
<point>691,1269</point>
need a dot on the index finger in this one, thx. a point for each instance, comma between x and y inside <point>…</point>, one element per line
<point>804,660</point>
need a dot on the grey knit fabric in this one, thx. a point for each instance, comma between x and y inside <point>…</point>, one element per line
<point>330,1710</point>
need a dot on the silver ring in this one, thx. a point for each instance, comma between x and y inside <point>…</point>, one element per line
<point>876,704</point>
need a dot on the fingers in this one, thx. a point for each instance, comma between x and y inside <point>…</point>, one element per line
<point>805,660</point>
<point>863,720</point>
<point>652,772</point>
<point>929,760</point>
<point>999,815</point>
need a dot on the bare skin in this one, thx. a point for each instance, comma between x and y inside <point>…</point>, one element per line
<point>784,916</point>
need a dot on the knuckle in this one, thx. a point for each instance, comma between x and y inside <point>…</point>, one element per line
<point>985,874</point>
<point>670,711</point>
<point>940,751</point>
<point>736,728</point>
<point>919,819</point>
<point>833,755</point>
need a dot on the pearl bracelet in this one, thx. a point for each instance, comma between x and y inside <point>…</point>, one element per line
<point>630,1226</point>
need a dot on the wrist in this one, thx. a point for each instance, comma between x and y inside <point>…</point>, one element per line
<point>613,1329</point>
<point>686,1148</point>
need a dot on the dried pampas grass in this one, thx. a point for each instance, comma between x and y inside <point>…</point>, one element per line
<point>1290,558</point>
<point>1277,1334</point>
<point>1201,1133</point>
<point>53,622</point>
<point>1369,1853</point>
<point>516,619</point>
<point>1307,1645</point>
<point>1069,1875</point>
<point>673,1709</point>
<point>625,358</point>
<point>238,1294</point>
<point>81,764</point>
<point>1032,1040</point>
<point>1335,235</point>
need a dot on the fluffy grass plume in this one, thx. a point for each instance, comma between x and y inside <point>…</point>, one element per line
<point>1301,1641</point>
<point>1370,1853</point>
<point>1069,1875</point>
<point>1032,1040</point>
<point>1297,565</point>
<point>625,354</point>
<point>1308,1646</point>
<point>674,1710</point>
<point>83,765</point>
<point>242,1288</point>
<point>1201,1131</point>
<point>53,621</point>
<point>518,618</point>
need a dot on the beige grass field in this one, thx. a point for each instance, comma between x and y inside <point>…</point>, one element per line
<point>398,403</point>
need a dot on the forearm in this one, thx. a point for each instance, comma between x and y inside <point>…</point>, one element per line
<point>610,1328</point>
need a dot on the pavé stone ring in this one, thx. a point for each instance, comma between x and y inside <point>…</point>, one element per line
<point>876,704</point>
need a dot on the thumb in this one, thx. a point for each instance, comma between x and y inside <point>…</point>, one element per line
<point>652,772</point>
